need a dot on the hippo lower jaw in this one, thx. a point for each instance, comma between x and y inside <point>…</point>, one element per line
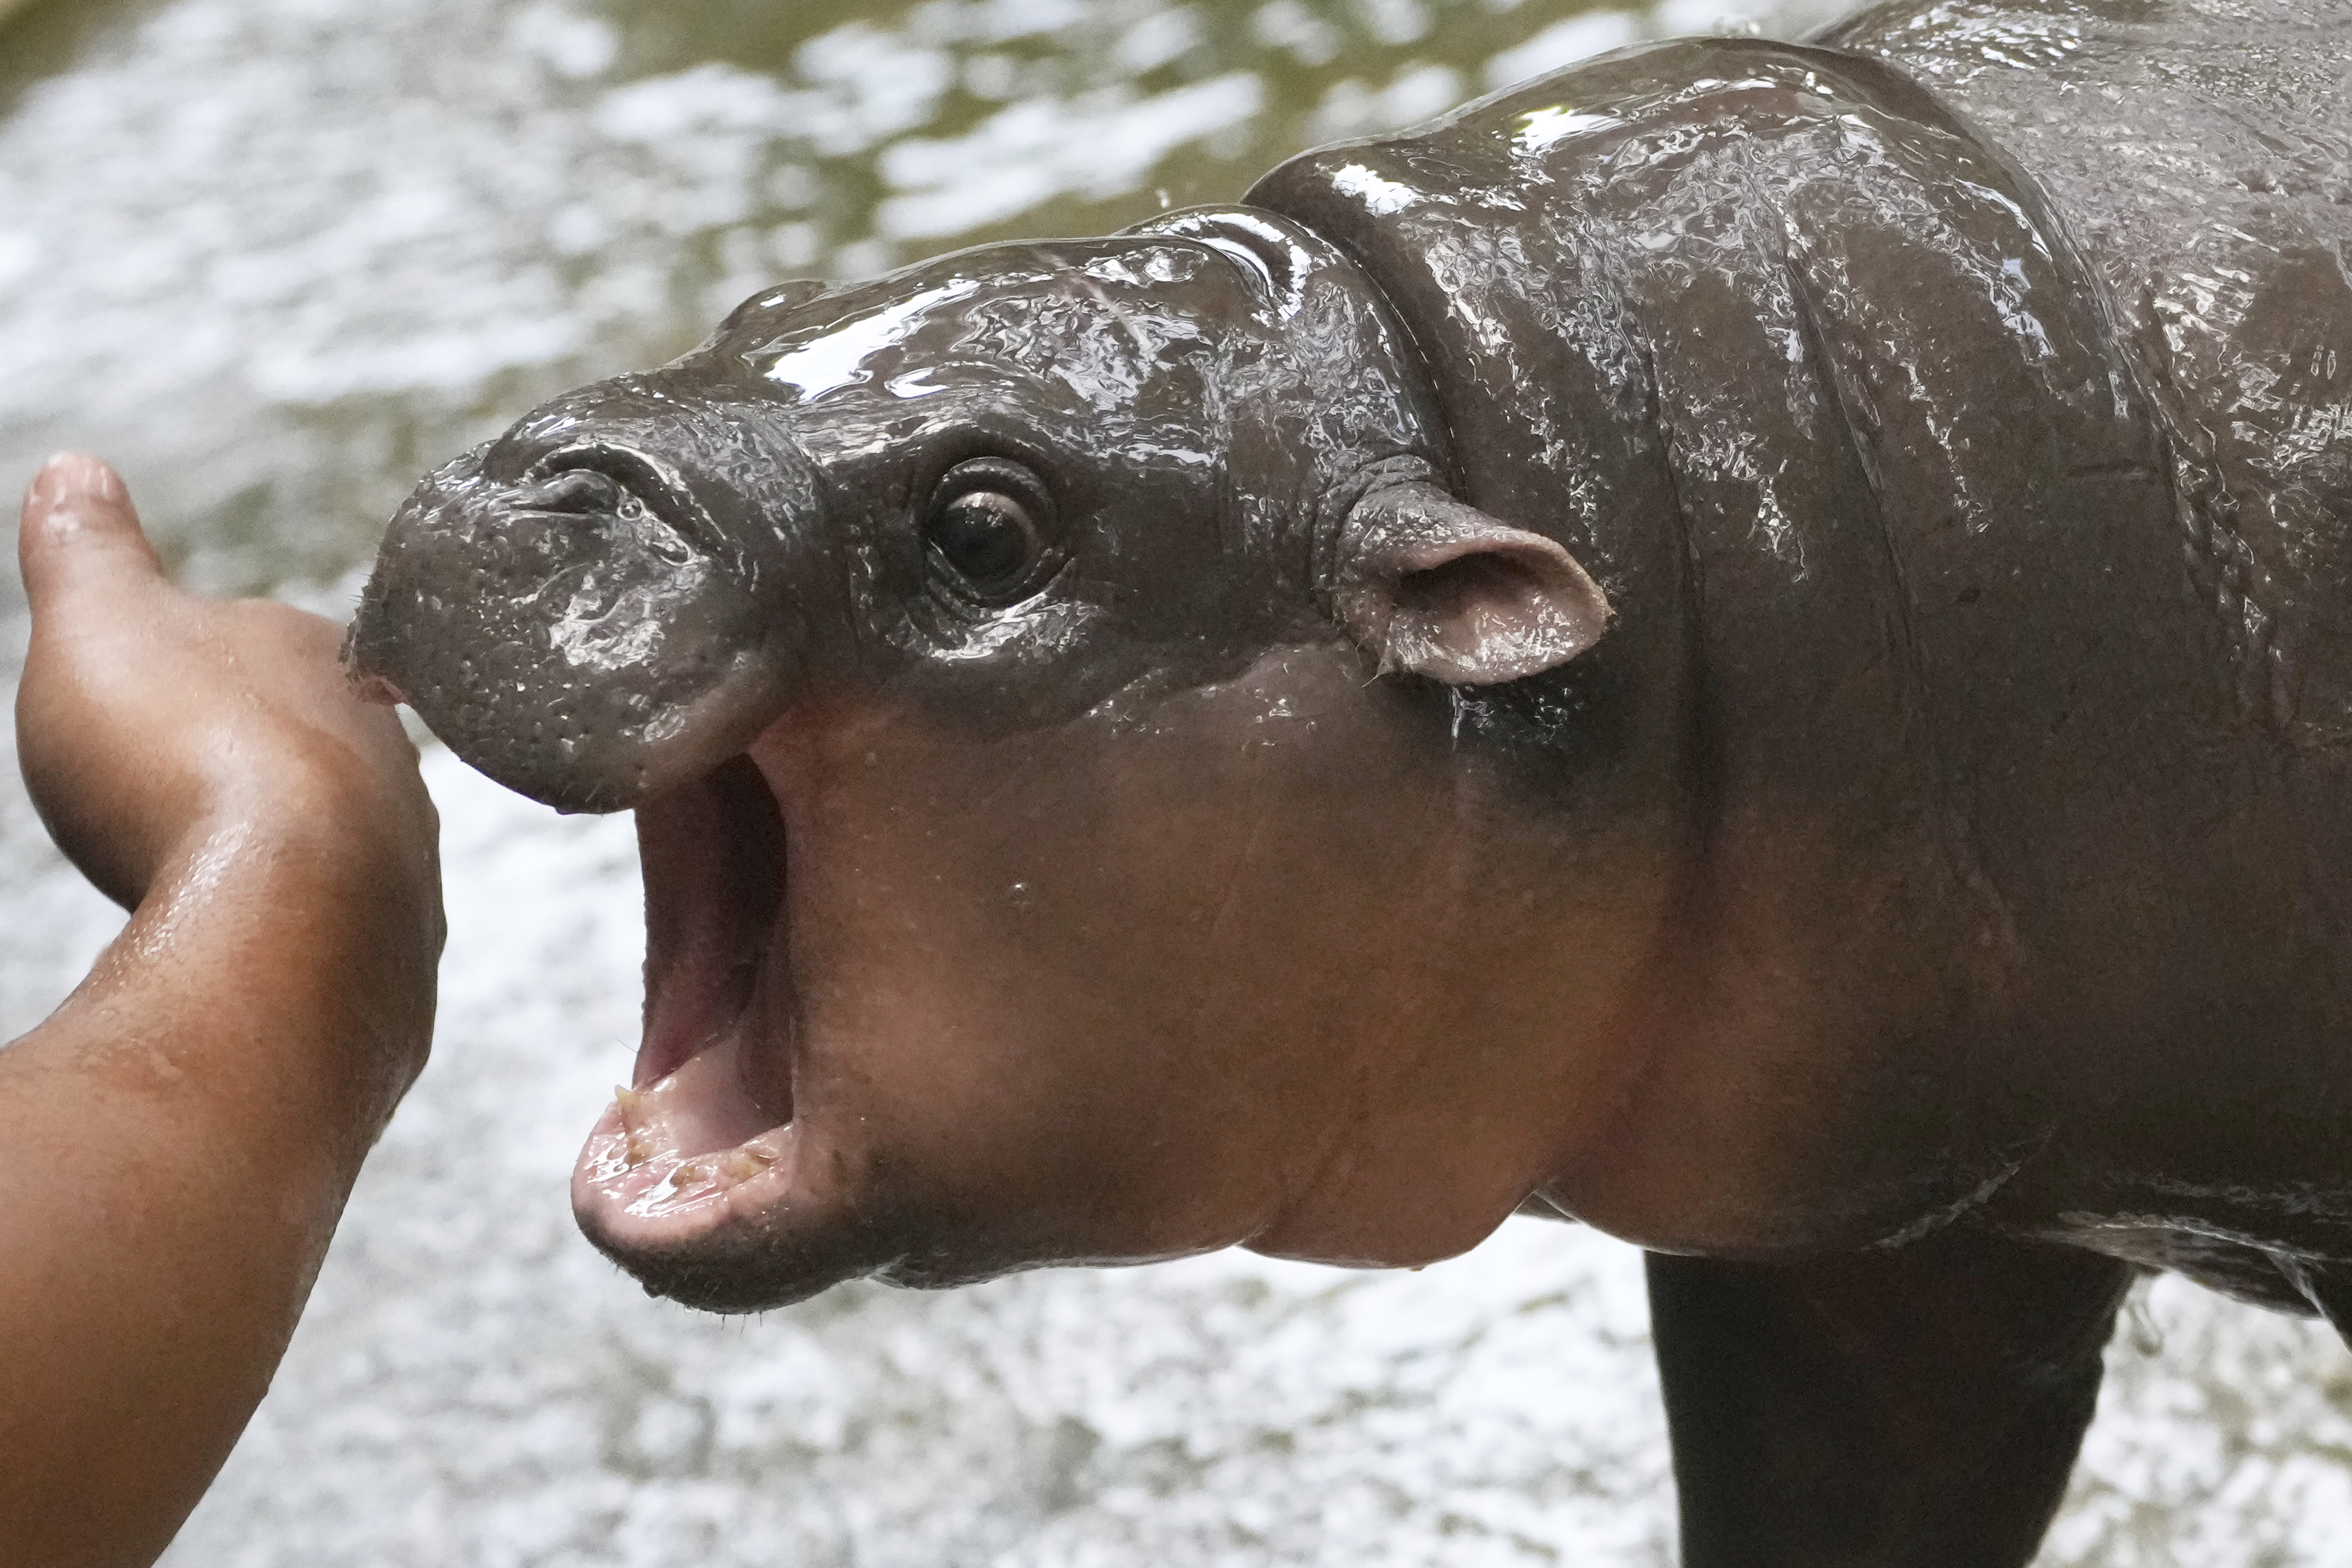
<point>697,1156</point>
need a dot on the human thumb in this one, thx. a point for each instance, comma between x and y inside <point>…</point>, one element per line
<point>80,533</point>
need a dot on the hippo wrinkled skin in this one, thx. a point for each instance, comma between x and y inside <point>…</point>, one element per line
<point>1747,644</point>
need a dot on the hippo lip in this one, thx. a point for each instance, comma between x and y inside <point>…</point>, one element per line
<point>704,1140</point>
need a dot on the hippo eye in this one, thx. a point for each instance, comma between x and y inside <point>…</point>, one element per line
<point>991,524</point>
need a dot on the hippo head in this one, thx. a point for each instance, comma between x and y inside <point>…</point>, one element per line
<point>991,655</point>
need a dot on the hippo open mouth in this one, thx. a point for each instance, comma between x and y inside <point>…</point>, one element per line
<point>704,1135</point>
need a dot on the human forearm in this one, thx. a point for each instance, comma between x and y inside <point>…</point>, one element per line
<point>177,1141</point>
<point>182,1135</point>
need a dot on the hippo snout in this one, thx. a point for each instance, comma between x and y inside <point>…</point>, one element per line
<point>575,617</point>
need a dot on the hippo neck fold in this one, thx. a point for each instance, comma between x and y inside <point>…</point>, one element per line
<point>1781,296</point>
<point>1807,374</point>
<point>1347,348</point>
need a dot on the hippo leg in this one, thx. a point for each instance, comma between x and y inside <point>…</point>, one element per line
<point>1902,1409</point>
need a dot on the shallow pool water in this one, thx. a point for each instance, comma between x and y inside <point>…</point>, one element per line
<point>276,257</point>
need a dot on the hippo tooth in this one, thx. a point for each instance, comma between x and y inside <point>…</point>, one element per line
<point>633,1143</point>
<point>743,1164</point>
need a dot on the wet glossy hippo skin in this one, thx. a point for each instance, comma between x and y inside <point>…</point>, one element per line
<point>1746,643</point>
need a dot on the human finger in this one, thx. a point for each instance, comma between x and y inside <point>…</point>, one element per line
<point>81,533</point>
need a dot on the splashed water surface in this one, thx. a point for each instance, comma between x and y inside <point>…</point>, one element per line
<point>276,257</point>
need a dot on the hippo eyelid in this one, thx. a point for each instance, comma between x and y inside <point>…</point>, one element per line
<point>990,473</point>
<point>1032,504</point>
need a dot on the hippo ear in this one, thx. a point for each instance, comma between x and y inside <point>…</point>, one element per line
<point>1441,589</point>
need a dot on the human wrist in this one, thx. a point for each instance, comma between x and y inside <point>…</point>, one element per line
<point>312,913</point>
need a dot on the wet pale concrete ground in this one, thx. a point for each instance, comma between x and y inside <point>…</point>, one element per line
<point>279,256</point>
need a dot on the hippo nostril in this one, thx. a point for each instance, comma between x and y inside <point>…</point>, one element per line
<point>603,479</point>
<point>574,490</point>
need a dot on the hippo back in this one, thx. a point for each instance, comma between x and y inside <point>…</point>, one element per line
<point>2203,158</point>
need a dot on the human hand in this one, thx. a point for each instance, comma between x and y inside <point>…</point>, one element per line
<point>151,721</point>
